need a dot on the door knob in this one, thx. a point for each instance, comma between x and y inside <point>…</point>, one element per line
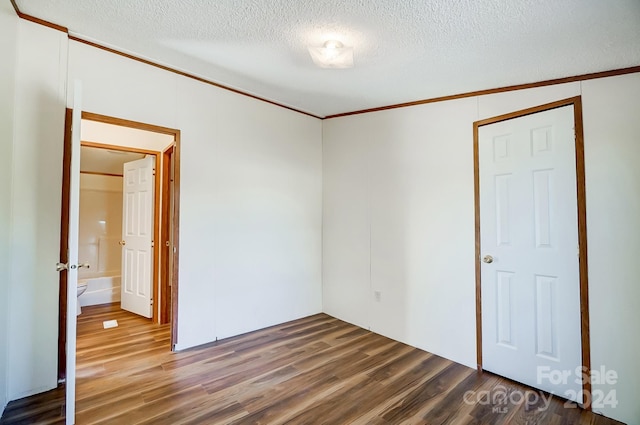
<point>62,266</point>
<point>488,259</point>
<point>122,243</point>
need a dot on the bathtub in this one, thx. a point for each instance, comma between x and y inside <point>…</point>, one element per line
<point>100,290</point>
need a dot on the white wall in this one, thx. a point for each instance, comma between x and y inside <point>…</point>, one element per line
<point>612,148</point>
<point>393,200</point>
<point>399,219</point>
<point>35,205</point>
<point>100,229</point>
<point>250,216</point>
<point>8,39</point>
<point>250,194</point>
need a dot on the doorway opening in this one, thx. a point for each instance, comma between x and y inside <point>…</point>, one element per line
<point>108,143</point>
<point>539,292</point>
<point>119,227</point>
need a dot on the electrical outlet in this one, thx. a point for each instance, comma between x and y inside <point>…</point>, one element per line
<point>377,295</point>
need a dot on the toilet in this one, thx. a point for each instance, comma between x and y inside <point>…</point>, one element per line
<point>82,286</point>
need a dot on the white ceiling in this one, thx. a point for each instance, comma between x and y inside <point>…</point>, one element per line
<point>105,161</point>
<point>404,50</point>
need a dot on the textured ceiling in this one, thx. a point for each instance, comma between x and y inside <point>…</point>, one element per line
<point>404,50</point>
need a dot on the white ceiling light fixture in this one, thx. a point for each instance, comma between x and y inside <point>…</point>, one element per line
<point>332,54</point>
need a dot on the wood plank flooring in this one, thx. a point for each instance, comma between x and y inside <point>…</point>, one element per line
<point>316,370</point>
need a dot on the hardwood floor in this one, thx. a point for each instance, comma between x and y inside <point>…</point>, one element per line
<point>316,370</point>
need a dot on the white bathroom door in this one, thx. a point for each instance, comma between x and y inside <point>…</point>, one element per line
<point>137,236</point>
<point>72,265</point>
<point>530,281</point>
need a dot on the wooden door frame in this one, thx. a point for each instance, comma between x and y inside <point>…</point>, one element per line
<point>162,224</point>
<point>576,102</point>
<point>172,154</point>
<point>165,236</point>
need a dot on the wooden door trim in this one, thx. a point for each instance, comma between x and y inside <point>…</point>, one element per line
<point>175,226</point>
<point>100,145</point>
<point>98,173</point>
<point>165,227</point>
<point>582,243</point>
<point>576,102</point>
<point>106,119</point>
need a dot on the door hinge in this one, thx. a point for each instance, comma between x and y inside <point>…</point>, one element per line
<point>153,244</point>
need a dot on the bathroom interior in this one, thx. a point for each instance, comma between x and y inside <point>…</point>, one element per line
<point>104,151</point>
<point>100,230</point>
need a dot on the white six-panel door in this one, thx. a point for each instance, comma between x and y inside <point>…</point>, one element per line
<point>529,245</point>
<point>137,236</point>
